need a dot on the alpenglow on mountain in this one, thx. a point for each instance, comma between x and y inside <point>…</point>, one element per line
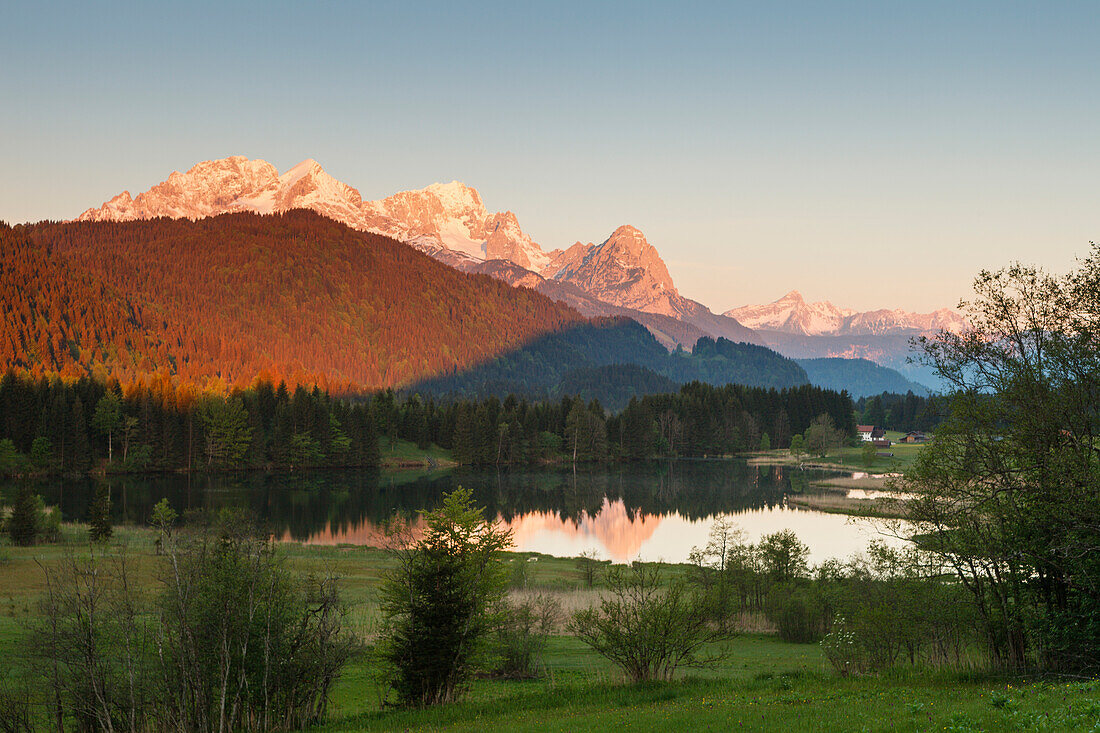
<point>443,216</point>
<point>624,274</point>
<point>792,314</point>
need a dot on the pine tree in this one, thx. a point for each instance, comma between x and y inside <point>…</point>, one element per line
<point>99,515</point>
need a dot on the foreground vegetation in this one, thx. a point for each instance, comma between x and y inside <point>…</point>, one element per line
<point>763,684</point>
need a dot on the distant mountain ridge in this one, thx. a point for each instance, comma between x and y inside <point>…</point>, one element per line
<point>792,314</point>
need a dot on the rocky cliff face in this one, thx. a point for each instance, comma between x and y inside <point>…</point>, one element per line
<point>623,270</point>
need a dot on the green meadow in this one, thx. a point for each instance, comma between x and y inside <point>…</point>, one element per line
<point>764,684</point>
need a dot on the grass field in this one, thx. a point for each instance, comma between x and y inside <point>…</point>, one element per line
<point>896,458</point>
<point>403,454</point>
<point>764,684</point>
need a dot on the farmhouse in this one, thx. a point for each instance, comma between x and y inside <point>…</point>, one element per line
<point>869,433</point>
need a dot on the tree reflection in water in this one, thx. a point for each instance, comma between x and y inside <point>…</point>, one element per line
<point>648,510</point>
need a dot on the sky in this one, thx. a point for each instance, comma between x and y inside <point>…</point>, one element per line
<point>873,154</point>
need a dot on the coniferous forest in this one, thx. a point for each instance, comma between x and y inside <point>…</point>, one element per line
<point>54,426</point>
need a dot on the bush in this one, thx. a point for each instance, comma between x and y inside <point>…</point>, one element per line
<point>231,642</point>
<point>47,521</point>
<point>798,612</point>
<point>522,636</point>
<point>891,607</point>
<point>649,628</point>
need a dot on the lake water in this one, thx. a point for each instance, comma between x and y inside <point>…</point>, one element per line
<point>652,511</point>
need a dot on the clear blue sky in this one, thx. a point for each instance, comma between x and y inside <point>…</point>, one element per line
<point>874,154</point>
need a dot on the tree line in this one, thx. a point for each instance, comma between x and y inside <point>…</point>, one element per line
<point>50,425</point>
<point>902,412</point>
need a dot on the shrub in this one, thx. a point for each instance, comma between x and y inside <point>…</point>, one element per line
<point>649,628</point>
<point>231,642</point>
<point>798,612</point>
<point>522,635</point>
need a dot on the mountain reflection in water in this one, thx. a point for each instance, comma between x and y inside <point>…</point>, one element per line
<point>648,511</point>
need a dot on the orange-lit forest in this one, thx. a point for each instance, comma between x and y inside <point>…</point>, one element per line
<point>221,301</point>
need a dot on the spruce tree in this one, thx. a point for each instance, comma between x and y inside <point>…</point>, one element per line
<point>99,515</point>
<point>23,522</point>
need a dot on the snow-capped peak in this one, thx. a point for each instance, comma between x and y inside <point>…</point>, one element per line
<point>792,314</point>
<point>456,197</point>
<point>447,216</point>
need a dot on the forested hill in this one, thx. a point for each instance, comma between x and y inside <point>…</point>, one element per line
<point>612,360</point>
<point>861,377</point>
<point>294,296</point>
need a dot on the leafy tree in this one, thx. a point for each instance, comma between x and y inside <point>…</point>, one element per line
<point>823,436</point>
<point>163,519</point>
<point>784,556</point>
<point>41,452</point>
<point>765,442</point>
<point>128,429</point>
<point>439,601</point>
<point>797,445</point>
<point>107,419</point>
<point>585,434</point>
<point>1008,494</point>
<point>588,566</point>
<point>867,453</point>
<point>225,423</point>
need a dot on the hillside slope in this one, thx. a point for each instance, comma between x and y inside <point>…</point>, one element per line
<point>293,296</point>
<point>549,365</point>
<point>861,377</point>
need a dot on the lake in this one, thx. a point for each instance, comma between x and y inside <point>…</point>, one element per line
<point>650,511</point>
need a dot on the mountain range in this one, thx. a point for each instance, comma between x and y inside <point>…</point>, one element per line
<point>448,222</point>
<point>792,314</point>
<point>621,276</point>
